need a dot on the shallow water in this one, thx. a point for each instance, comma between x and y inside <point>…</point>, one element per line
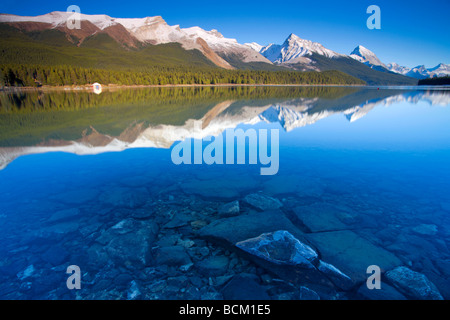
<point>89,181</point>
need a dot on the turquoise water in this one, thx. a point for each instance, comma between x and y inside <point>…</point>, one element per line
<point>382,178</point>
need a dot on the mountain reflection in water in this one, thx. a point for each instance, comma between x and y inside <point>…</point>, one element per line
<point>84,123</point>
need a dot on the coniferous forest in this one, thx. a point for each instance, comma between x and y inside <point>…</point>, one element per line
<point>63,75</point>
<point>438,81</point>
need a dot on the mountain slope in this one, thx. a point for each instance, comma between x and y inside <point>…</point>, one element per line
<point>357,69</point>
<point>52,47</point>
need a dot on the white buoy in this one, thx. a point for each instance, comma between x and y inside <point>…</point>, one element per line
<point>97,88</point>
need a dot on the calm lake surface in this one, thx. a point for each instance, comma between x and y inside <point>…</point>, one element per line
<point>88,180</point>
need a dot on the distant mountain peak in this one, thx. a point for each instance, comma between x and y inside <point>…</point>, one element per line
<point>364,55</point>
<point>360,49</point>
<point>420,71</point>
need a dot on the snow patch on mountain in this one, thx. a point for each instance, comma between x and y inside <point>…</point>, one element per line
<point>59,18</point>
<point>255,46</point>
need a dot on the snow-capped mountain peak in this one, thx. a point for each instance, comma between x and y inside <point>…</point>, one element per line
<point>364,55</point>
<point>294,48</point>
<point>213,37</point>
<point>440,70</point>
<point>395,67</point>
<point>421,72</point>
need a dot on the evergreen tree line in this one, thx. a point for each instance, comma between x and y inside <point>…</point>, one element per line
<point>36,75</point>
<point>437,81</point>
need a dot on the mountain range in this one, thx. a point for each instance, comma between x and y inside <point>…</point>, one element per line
<point>299,53</point>
<point>24,37</point>
<point>369,58</point>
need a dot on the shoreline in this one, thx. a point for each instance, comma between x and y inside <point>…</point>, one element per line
<point>113,86</point>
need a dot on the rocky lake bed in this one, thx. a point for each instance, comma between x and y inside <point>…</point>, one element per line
<point>132,240</point>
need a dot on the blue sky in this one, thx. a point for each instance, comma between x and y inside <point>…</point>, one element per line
<point>412,32</point>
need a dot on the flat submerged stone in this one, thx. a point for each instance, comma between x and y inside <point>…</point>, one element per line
<point>262,202</point>
<point>321,217</point>
<point>351,253</point>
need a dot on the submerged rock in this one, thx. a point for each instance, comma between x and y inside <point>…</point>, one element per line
<point>290,259</point>
<point>172,256</point>
<point>321,217</point>
<point>280,247</point>
<point>351,253</point>
<point>133,292</point>
<point>57,229</point>
<point>385,293</point>
<point>294,184</point>
<point>308,294</point>
<point>336,276</point>
<point>129,241</point>
<point>55,255</point>
<point>64,215</point>
<point>244,287</point>
<point>125,197</point>
<point>228,231</point>
<point>179,220</point>
<point>413,284</point>
<point>28,272</point>
<point>262,202</point>
<point>229,209</point>
<point>425,229</point>
<point>213,266</point>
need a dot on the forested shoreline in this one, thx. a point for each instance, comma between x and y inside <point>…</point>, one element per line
<point>438,81</point>
<point>64,75</point>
